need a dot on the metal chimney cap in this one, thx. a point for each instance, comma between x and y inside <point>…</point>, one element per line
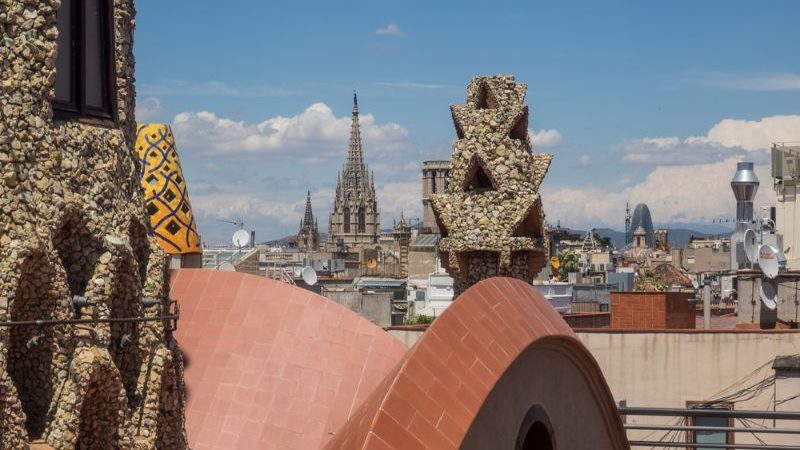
<point>744,173</point>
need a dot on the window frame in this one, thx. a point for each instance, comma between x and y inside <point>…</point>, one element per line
<point>691,437</point>
<point>77,109</point>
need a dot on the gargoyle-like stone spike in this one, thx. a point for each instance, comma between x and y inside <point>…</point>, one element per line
<point>521,89</point>
<point>541,164</point>
<point>459,113</point>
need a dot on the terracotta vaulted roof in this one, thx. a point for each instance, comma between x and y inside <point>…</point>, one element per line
<point>499,356</point>
<point>273,366</point>
<point>269,365</point>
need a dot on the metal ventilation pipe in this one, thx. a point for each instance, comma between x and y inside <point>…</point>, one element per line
<point>745,185</point>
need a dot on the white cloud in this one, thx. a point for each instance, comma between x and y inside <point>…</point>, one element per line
<point>390,29</point>
<point>405,196</point>
<point>546,138</point>
<point>314,135</point>
<point>728,138</point>
<point>696,193</point>
<point>748,82</point>
<point>148,110</point>
<point>280,216</point>
<point>584,160</point>
<point>756,134</point>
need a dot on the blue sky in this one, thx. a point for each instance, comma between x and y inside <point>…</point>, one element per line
<point>638,101</point>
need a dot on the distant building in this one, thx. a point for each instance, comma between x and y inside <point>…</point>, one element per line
<point>661,240</point>
<point>642,218</point>
<point>786,175</point>
<point>703,255</point>
<point>308,236</point>
<point>638,252</point>
<point>435,179</point>
<point>355,217</point>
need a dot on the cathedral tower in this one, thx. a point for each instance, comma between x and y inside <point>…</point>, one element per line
<point>308,236</point>
<point>355,218</point>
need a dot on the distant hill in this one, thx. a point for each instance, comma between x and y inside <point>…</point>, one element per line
<point>679,234</point>
<point>286,239</point>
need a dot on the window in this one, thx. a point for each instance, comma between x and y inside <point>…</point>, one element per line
<point>710,437</point>
<point>84,66</point>
<point>362,221</point>
<point>346,219</point>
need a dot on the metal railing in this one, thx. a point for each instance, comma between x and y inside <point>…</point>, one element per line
<point>681,435</point>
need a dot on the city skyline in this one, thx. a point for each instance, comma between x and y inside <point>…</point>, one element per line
<point>650,104</point>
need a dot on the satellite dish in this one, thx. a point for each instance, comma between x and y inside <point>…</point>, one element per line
<point>309,275</point>
<point>771,260</point>
<point>241,238</point>
<point>769,293</point>
<point>226,267</point>
<point>750,246</point>
<point>695,284</point>
<point>372,263</point>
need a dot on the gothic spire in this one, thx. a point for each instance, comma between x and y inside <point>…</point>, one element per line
<point>308,218</point>
<point>355,156</point>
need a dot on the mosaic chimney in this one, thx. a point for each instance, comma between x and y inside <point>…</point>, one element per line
<point>491,216</point>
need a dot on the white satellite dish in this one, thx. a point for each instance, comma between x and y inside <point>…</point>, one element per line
<point>769,293</point>
<point>695,284</point>
<point>241,238</point>
<point>771,260</point>
<point>226,267</point>
<point>309,275</point>
<point>750,246</point>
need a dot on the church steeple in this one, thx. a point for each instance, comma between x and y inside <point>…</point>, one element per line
<point>308,236</point>
<point>355,217</point>
<point>308,217</point>
<point>355,155</point>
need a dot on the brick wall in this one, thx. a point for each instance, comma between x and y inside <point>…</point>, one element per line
<point>652,310</point>
<point>587,320</point>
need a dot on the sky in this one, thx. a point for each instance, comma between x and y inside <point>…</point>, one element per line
<point>649,102</point>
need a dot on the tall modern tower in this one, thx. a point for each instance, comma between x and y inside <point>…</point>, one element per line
<point>641,218</point>
<point>355,218</point>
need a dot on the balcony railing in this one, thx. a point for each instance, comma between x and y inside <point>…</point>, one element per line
<point>748,435</point>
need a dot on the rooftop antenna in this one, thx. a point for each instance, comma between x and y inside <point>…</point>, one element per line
<point>309,275</point>
<point>241,238</point>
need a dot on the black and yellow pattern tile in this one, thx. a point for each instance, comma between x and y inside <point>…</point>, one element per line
<point>166,195</point>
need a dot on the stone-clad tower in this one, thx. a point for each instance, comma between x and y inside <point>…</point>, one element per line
<point>308,237</point>
<point>491,217</point>
<point>87,355</point>
<point>355,218</point>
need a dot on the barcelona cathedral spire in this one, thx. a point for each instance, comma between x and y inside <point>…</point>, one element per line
<point>355,217</point>
<point>308,237</point>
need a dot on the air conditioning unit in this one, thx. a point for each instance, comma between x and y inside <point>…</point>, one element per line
<point>785,162</point>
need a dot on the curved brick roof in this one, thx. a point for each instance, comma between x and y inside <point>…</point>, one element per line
<point>497,357</point>
<point>269,365</point>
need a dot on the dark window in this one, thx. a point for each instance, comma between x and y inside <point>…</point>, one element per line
<point>362,222</point>
<point>84,66</point>
<point>346,219</point>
